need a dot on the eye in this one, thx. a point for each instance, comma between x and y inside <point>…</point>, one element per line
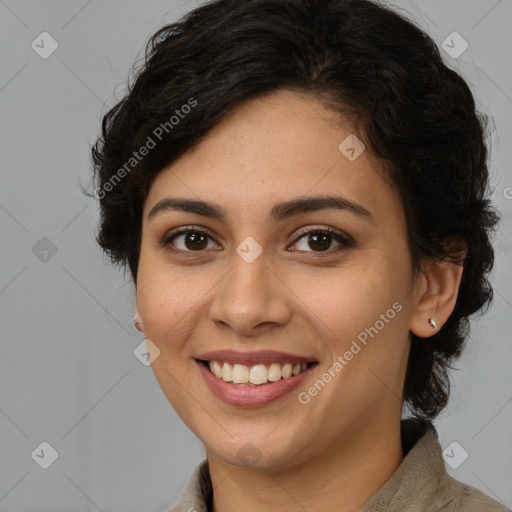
<point>190,240</point>
<point>320,240</point>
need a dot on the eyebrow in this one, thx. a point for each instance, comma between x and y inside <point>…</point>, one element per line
<point>279,212</point>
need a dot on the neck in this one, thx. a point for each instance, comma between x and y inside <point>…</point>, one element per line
<point>348,474</point>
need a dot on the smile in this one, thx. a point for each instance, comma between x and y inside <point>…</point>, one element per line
<point>253,379</point>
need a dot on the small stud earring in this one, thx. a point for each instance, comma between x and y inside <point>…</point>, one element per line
<point>432,323</point>
<point>136,320</point>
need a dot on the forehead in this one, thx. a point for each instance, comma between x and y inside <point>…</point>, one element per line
<point>269,150</point>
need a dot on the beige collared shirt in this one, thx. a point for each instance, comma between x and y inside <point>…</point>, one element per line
<point>420,484</point>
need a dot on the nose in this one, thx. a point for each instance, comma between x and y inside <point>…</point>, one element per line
<point>251,299</point>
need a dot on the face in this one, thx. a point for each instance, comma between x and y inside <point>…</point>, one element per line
<point>258,269</point>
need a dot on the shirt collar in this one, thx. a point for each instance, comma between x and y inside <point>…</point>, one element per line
<point>417,479</point>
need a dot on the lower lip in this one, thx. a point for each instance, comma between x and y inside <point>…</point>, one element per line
<point>244,395</point>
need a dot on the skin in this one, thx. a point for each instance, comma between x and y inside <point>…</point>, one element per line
<point>344,444</point>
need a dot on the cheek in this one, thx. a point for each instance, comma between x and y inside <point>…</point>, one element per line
<point>352,297</point>
<point>166,299</point>
<point>361,311</point>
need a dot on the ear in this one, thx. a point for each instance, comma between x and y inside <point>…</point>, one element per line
<point>137,320</point>
<point>436,290</point>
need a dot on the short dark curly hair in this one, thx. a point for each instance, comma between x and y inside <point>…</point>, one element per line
<point>363,61</point>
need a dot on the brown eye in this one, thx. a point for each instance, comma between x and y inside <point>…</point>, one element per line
<point>321,241</point>
<point>187,240</point>
<point>195,241</point>
<point>316,240</point>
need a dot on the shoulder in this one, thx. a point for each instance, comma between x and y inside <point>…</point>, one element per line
<point>464,498</point>
<point>197,494</point>
<point>422,483</point>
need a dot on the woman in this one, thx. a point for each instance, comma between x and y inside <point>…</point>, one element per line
<point>299,189</point>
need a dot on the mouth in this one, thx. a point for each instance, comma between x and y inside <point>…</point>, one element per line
<point>253,379</point>
<point>255,375</point>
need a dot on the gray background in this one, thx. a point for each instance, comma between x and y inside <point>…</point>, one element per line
<point>68,375</point>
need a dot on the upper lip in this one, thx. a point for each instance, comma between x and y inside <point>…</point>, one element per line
<point>253,358</point>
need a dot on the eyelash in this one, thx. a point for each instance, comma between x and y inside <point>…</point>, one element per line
<point>344,241</point>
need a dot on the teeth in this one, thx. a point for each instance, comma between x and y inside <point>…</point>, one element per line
<point>240,374</point>
<point>227,372</point>
<point>286,371</point>
<point>217,369</point>
<point>274,372</point>
<point>255,375</point>
<point>258,374</point>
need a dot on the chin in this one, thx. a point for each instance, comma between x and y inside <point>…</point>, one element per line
<point>256,455</point>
